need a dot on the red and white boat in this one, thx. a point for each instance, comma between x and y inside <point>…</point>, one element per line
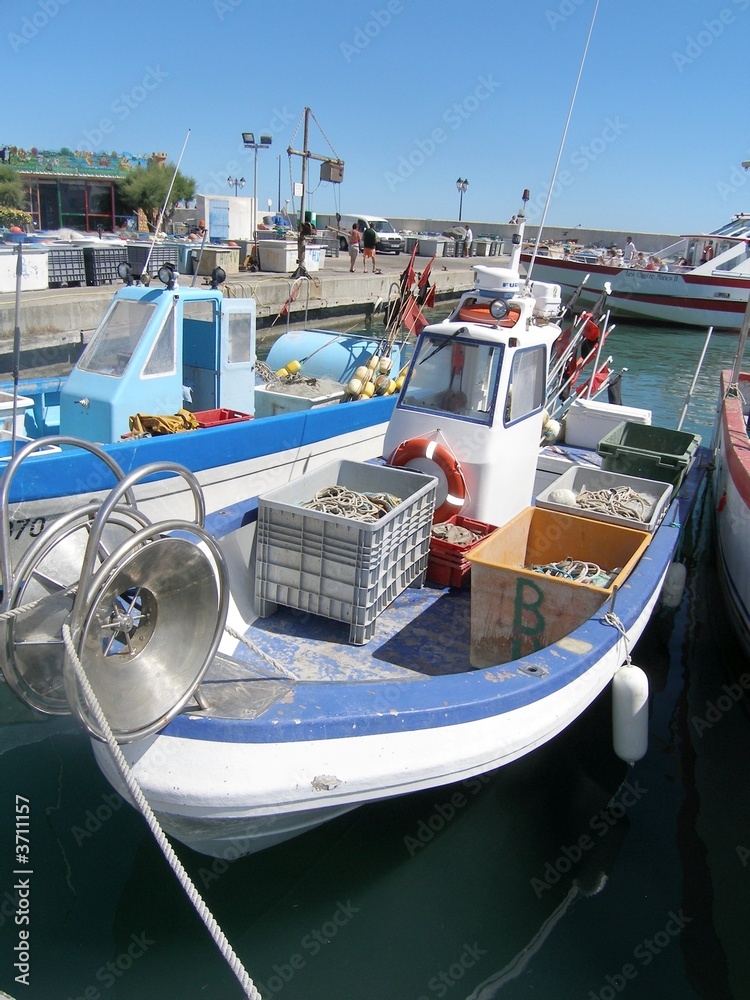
<point>732,458</point>
<point>714,292</point>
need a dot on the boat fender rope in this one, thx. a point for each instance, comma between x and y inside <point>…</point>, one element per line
<point>448,464</point>
<point>610,618</point>
<point>148,814</point>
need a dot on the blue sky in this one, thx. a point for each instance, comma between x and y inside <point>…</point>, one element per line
<point>411,94</point>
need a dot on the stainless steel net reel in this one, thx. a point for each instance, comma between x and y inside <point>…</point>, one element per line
<point>146,604</point>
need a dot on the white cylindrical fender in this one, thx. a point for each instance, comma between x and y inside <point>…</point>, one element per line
<point>630,713</point>
<point>674,585</point>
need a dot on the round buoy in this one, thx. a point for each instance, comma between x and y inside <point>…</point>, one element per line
<point>368,389</point>
<point>361,373</point>
<point>354,386</point>
<point>373,363</point>
<point>385,365</point>
<point>292,367</point>
<point>551,431</point>
<point>630,713</point>
<point>674,585</point>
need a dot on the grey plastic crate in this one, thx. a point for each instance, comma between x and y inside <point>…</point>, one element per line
<point>581,477</point>
<point>65,266</point>
<point>162,253</point>
<point>336,566</point>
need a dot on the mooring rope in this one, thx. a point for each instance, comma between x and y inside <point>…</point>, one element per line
<point>266,657</point>
<point>148,814</point>
<point>15,612</point>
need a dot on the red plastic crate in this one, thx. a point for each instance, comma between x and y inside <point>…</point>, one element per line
<point>447,565</point>
<point>217,418</point>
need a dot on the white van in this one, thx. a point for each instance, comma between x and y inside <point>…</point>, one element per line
<point>389,241</point>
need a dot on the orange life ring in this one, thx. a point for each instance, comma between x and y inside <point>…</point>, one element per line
<point>446,461</point>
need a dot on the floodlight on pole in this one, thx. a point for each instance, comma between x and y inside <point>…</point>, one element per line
<point>249,142</point>
<point>461,184</point>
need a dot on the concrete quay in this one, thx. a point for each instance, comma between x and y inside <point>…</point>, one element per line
<point>61,319</point>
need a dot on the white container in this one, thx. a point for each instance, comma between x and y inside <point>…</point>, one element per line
<point>23,403</point>
<point>34,269</point>
<point>588,420</point>
<point>314,257</point>
<point>579,478</point>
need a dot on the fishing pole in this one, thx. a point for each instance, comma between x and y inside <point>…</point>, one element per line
<point>164,206</point>
<point>560,150</point>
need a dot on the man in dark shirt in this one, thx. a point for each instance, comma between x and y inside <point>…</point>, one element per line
<point>369,241</point>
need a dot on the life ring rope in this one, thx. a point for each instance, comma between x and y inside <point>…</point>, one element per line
<point>448,464</point>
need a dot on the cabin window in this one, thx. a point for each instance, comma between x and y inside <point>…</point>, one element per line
<point>526,389</point>
<point>239,339</point>
<point>454,375</point>
<point>162,358</point>
<point>743,254</point>
<point>114,342</point>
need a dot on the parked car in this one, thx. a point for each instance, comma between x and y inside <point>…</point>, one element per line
<point>389,240</point>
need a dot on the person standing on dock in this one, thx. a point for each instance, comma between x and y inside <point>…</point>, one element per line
<point>469,239</point>
<point>369,242</point>
<point>354,241</point>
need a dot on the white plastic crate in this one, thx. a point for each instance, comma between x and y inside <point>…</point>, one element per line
<point>581,477</point>
<point>336,566</point>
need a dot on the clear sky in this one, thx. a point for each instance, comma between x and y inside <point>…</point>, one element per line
<point>411,94</point>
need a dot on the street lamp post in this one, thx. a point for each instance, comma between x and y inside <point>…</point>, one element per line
<point>264,141</point>
<point>461,184</point>
<point>236,182</point>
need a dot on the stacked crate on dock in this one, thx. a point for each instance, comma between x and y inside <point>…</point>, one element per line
<point>101,263</point>
<point>65,266</point>
<point>162,253</point>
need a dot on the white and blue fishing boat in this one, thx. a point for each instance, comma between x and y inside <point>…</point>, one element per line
<point>166,358</point>
<point>275,664</point>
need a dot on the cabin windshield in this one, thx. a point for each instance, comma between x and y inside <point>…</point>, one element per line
<point>454,375</point>
<point>119,334</point>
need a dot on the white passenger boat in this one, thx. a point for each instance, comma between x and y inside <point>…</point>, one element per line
<point>711,289</point>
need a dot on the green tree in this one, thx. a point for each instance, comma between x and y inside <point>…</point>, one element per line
<point>12,190</point>
<point>146,188</point>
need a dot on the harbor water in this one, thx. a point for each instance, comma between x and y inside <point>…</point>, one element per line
<point>566,876</point>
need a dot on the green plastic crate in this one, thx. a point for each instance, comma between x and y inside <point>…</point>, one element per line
<point>648,452</point>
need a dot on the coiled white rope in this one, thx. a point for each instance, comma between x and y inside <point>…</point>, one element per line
<point>148,814</point>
